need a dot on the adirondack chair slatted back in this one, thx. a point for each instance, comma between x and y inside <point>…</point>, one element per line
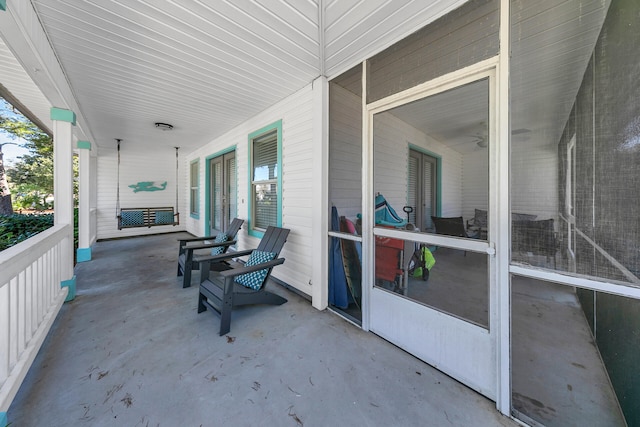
<point>273,240</point>
<point>230,234</point>
<point>234,227</point>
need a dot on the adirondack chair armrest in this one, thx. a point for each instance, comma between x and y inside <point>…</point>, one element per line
<point>221,257</point>
<point>243,270</point>
<point>209,245</point>
<point>184,241</point>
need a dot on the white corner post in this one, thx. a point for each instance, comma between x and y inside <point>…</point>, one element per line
<point>503,353</point>
<point>83,252</point>
<point>320,216</point>
<point>63,122</point>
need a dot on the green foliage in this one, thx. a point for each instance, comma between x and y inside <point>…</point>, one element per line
<point>32,175</point>
<point>16,126</point>
<point>29,197</point>
<point>18,227</point>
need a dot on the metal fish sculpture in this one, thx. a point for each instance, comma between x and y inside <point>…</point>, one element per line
<point>148,186</point>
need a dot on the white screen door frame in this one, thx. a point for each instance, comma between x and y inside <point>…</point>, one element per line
<point>461,349</point>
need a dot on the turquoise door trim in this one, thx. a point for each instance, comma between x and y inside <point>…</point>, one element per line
<point>268,128</point>
<point>3,6</point>
<point>438,158</point>
<point>207,185</point>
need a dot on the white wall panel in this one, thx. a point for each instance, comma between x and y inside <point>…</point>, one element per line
<point>136,166</point>
<point>297,199</point>
<point>536,181</point>
<point>475,185</point>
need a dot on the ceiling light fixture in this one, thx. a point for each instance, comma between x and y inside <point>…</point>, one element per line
<point>164,126</point>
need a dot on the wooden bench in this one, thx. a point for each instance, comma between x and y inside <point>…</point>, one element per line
<point>147,217</point>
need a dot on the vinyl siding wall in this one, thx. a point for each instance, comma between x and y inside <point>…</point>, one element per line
<point>137,165</point>
<point>298,199</point>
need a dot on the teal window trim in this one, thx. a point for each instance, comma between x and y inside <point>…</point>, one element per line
<point>194,205</point>
<point>207,185</point>
<point>438,158</point>
<point>277,126</point>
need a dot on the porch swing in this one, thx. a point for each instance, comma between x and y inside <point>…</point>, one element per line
<point>147,216</point>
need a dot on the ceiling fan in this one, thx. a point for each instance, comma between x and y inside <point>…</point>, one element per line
<point>479,139</point>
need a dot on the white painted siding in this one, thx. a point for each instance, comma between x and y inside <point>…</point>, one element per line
<point>475,185</point>
<point>135,166</point>
<point>297,198</point>
<point>536,180</point>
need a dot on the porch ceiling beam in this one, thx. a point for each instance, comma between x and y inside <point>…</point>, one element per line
<point>21,30</point>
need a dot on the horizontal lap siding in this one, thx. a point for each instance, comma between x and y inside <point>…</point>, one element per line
<point>475,187</point>
<point>297,199</point>
<point>536,180</point>
<point>137,166</point>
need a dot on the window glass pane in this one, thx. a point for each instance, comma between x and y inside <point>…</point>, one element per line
<point>574,355</point>
<point>216,197</point>
<point>575,145</point>
<point>265,157</point>
<point>232,190</point>
<point>265,168</point>
<point>194,183</point>
<point>266,205</point>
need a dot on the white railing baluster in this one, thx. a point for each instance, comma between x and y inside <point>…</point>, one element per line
<point>4,332</point>
<point>30,298</point>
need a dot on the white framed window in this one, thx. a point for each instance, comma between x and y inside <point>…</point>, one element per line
<point>265,148</point>
<point>194,189</point>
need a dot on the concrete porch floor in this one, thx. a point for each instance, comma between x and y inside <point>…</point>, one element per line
<point>131,350</point>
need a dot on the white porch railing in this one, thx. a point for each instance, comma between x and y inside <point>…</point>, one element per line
<point>30,298</point>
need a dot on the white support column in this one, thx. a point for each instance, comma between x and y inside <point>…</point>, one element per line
<point>320,217</point>
<point>63,122</point>
<point>84,202</point>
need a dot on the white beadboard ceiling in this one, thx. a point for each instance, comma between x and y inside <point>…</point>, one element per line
<point>205,66</point>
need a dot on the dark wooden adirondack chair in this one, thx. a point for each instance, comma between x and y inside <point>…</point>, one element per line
<point>218,245</point>
<point>221,291</point>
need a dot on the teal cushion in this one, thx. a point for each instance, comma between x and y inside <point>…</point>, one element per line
<point>132,218</point>
<point>220,238</point>
<point>164,217</point>
<point>254,279</point>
